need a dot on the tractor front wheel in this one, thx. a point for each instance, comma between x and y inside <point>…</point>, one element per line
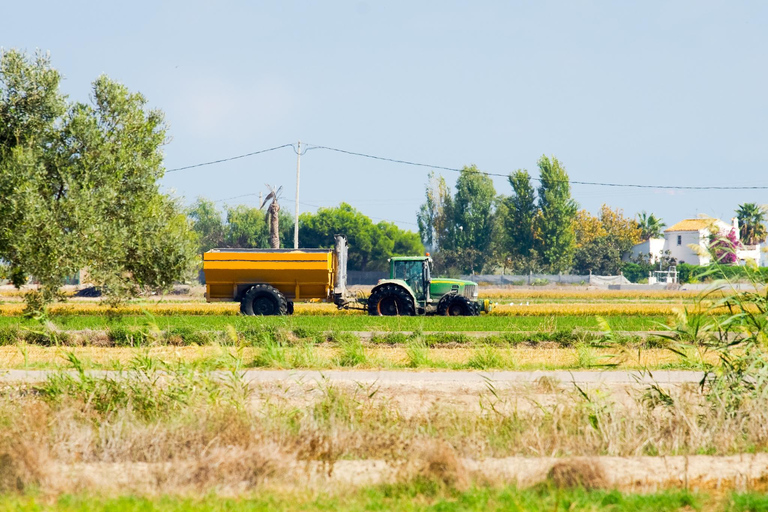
<point>455,305</point>
<point>391,300</point>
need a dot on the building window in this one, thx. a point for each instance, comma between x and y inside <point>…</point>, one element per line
<point>679,239</point>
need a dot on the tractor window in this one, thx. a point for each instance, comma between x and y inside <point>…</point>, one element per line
<point>412,273</point>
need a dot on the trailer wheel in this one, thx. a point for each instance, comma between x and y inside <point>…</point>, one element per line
<point>290,307</point>
<point>263,299</point>
<point>455,305</point>
<point>391,300</point>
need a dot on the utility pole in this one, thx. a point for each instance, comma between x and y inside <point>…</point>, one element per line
<point>296,219</point>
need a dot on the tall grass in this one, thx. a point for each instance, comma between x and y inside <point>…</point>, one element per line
<point>203,430</point>
<point>417,352</point>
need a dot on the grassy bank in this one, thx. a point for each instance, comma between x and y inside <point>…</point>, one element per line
<point>510,309</point>
<point>347,323</point>
<point>354,354</point>
<point>185,433</point>
<point>406,497</point>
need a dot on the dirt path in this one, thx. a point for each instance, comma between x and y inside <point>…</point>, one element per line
<point>630,474</point>
<point>440,379</point>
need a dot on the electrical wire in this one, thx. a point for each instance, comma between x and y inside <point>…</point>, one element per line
<point>229,159</point>
<point>454,169</point>
<point>236,197</point>
<point>315,206</point>
<point>573,182</point>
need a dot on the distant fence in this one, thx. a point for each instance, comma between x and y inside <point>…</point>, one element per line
<point>358,277</point>
<point>364,277</point>
<point>542,279</point>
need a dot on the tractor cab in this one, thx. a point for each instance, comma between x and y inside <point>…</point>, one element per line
<point>415,271</point>
<point>411,290</point>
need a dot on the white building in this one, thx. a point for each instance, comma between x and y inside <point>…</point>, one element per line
<point>651,249</point>
<point>687,240</point>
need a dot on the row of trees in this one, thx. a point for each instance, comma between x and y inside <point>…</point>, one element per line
<point>532,229</point>
<point>537,228</point>
<point>247,227</point>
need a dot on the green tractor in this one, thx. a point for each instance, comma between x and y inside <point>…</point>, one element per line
<point>411,290</point>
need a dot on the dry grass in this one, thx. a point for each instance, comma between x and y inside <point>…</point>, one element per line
<point>231,308</point>
<point>508,292</point>
<point>165,309</point>
<point>220,438</point>
<point>584,473</point>
<point>376,356</point>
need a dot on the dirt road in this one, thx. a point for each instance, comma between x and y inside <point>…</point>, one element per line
<point>442,379</point>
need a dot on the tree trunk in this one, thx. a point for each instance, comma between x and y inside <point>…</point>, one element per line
<point>274,225</point>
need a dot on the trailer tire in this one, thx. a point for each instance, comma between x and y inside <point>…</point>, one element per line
<point>290,307</point>
<point>455,305</point>
<point>391,300</point>
<point>263,299</point>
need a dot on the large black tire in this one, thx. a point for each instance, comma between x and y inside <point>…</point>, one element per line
<point>455,305</point>
<point>290,307</point>
<point>391,300</point>
<point>263,299</point>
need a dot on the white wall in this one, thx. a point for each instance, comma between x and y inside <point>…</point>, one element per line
<point>754,253</point>
<point>653,246</point>
<point>682,252</point>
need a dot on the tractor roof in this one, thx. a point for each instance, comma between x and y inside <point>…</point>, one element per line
<point>410,258</point>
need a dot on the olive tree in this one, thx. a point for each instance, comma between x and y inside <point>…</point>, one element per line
<point>79,183</point>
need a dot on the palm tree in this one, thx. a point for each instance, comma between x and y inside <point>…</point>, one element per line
<point>650,226</point>
<point>751,217</point>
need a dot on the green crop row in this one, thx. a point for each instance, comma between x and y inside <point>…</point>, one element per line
<point>361,323</point>
<point>257,336</point>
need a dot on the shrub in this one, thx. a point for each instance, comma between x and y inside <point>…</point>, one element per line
<point>9,335</point>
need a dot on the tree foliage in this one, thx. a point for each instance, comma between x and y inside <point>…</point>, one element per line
<point>650,226</point>
<point>520,218</point>
<point>460,227</point>
<point>558,209</point>
<point>602,241</point>
<point>370,245</point>
<point>208,224</point>
<point>241,226</point>
<point>435,215</point>
<point>80,184</point>
<point>723,246</point>
<point>751,218</point>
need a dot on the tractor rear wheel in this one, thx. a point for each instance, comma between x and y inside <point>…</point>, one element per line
<point>263,299</point>
<point>455,305</point>
<point>391,300</point>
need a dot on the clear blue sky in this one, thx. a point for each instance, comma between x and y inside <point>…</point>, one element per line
<point>652,92</point>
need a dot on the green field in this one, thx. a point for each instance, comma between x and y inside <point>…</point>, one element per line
<point>349,322</point>
<point>411,497</point>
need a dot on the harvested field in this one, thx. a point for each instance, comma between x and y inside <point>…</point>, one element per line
<point>191,406</point>
<point>368,357</point>
<point>227,308</point>
<point>186,434</point>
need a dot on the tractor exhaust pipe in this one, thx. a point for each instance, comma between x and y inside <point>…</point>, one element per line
<point>340,286</point>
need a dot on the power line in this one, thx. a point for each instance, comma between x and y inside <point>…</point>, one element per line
<point>315,206</point>
<point>228,159</point>
<point>590,183</point>
<point>454,169</point>
<point>235,197</point>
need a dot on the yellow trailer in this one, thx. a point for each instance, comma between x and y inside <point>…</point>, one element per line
<point>269,281</point>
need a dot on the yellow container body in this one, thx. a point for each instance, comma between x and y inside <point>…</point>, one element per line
<point>299,275</point>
